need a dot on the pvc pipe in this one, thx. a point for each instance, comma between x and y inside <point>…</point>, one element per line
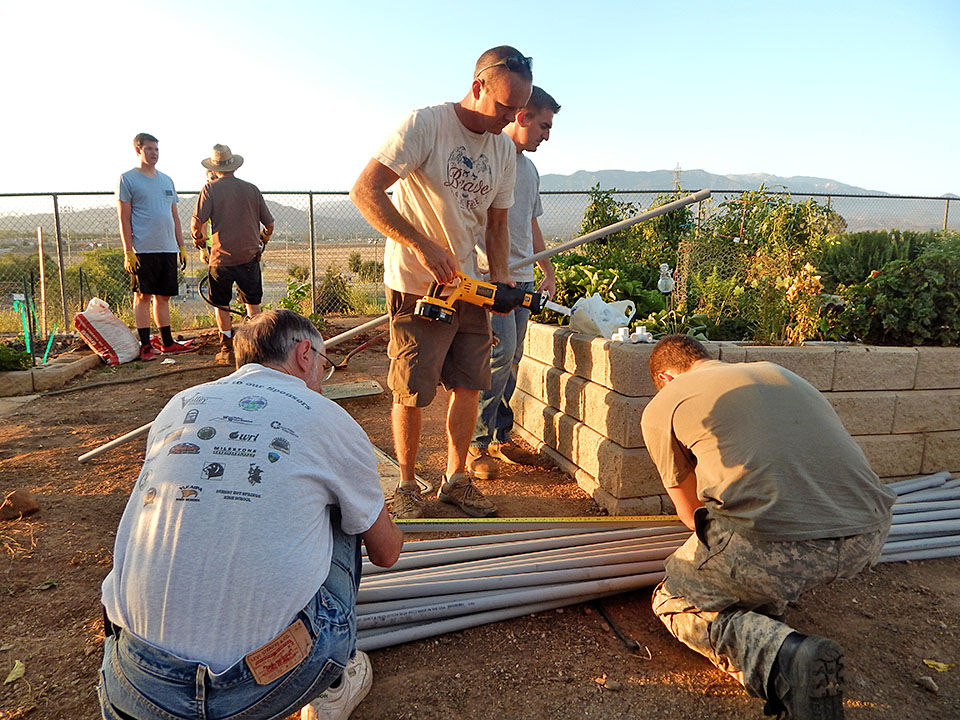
<point>924,506</point>
<point>444,587</point>
<point>941,493</point>
<point>498,600</point>
<point>927,529</point>
<point>445,543</point>
<point>902,487</point>
<point>928,554</point>
<point>920,517</point>
<point>133,434</point>
<point>467,621</point>
<point>897,546</point>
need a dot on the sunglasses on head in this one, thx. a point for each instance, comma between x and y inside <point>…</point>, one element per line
<point>513,63</point>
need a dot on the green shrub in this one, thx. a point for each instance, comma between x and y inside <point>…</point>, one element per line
<point>908,302</point>
<point>370,271</point>
<point>13,359</point>
<point>354,261</point>
<point>849,259</point>
<point>332,293</point>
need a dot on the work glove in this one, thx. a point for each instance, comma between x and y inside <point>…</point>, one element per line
<point>130,262</point>
<point>205,254</point>
<point>183,258</point>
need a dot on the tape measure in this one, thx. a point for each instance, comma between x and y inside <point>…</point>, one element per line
<point>536,523</point>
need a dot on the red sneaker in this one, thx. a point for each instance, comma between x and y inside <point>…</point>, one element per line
<point>157,343</point>
<point>176,347</point>
<point>147,352</point>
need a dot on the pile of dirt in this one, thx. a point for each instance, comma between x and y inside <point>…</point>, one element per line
<point>562,664</point>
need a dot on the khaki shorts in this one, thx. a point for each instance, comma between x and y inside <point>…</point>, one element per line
<point>424,353</point>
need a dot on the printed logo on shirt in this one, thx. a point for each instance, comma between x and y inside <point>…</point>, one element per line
<point>279,443</point>
<point>150,497</point>
<point>185,449</point>
<point>282,428</point>
<point>206,433</point>
<point>255,474</point>
<point>238,495</point>
<point>191,416</point>
<point>273,457</point>
<point>212,471</point>
<point>244,437</point>
<point>189,493</point>
<point>252,403</point>
<point>194,400</point>
<point>145,475</point>
<point>470,179</point>
<point>168,193</point>
<point>236,419</point>
<point>235,451</point>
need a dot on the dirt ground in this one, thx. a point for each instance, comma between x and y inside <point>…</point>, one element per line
<point>550,665</point>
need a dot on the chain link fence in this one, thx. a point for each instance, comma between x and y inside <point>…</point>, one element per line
<point>323,257</point>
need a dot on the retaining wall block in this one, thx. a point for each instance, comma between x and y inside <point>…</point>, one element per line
<point>875,368</point>
<point>891,455</point>
<point>941,452</point>
<point>651,505</point>
<point>530,374</point>
<point>546,343</point>
<point>564,392</point>
<point>623,472</point>
<point>927,410</point>
<point>566,437</point>
<point>864,413</point>
<point>536,417</point>
<point>612,414</point>
<point>937,367</point>
<point>731,352</point>
<point>814,364</point>
<point>16,382</point>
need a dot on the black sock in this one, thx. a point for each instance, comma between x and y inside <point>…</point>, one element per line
<point>336,683</point>
<point>166,336</point>
<point>144,335</point>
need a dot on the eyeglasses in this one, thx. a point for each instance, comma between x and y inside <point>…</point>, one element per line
<point>329,367</point>
<point>513,63</point>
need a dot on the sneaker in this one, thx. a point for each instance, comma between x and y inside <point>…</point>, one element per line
<point>177,347</point>
<point>808,680</point>
<point>511,454</point>
<point>156,342</point>
<point>407,504</point>
<point>481,465</point>
<point>337,703</point>
<point>460,491</point>
<point>147,352</point>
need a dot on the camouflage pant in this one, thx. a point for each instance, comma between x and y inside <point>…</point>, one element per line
<point>726,601</point>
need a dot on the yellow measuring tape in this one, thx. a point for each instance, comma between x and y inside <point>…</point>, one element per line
<point>536,523</point>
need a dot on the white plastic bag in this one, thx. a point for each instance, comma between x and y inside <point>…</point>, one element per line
<point>106,334</point>
<point>593,316</point>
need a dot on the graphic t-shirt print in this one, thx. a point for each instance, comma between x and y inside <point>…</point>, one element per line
<point>469,178</point>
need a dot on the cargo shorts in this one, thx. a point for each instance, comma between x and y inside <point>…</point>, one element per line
<point>424,353</point>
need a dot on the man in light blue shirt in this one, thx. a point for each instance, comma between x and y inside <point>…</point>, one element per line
<point>491,437</point>
<point>151,237</point>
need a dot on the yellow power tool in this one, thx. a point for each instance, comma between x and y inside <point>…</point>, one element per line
<point>498,297</point>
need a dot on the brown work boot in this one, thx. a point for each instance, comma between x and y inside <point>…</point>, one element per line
<point>407,504</point>
<point>481,465</point>
<point>511,454</point>
<point>460,491</point>
<point>225,355</point>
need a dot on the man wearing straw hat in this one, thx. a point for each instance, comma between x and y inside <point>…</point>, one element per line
<point>453,173</point>
<point>782,500</point>
<point>236,209</point>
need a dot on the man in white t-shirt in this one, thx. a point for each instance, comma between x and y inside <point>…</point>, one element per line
<point>491,437</point>
<point>237,559</point>
<point>453,173</point>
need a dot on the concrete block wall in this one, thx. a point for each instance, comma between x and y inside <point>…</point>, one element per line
<point>581,399</point>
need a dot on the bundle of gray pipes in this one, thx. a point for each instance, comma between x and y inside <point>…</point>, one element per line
<point>450,584</point>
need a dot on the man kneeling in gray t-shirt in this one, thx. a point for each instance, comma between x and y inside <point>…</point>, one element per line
<point>237,558</point>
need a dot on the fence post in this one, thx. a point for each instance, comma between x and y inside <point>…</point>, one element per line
<point>946,212</point>
<point>43,283</point>
<point>63,283</point>
<point>313,260</point>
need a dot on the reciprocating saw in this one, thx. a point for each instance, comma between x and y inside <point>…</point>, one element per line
<point>498,297</point>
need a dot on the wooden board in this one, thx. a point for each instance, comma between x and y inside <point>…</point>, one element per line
<point>358,388</point>
<point>390,475</point>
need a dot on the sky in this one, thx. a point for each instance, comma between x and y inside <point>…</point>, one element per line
<point>865,93</point>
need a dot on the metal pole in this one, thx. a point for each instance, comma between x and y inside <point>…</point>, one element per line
<point>313,259</point>
<point>946,212</point>
<point>43,283</point>
<point>60,267</point>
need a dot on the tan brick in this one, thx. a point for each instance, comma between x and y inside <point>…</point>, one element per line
<point>546,343</point>
<point>875,368</point>
<point>530,374</point>
<point>815,364</point>
<point>565,436</point>
<point>536,416</point>
<point>938,367</point>
<point>927,410</point>
<point>891,455</point>
<point>866,412</point>
<point>50,377</point>
<point>563,391</point>
<point>941,452</point>
<point>731,352</point>
<point>650,505</point>
<point>624,472</point>
<point>16,382</point>
<point>614,415</point>
<point>629,372</point>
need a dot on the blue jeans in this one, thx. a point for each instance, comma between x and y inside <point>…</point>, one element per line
<point>139,680</point>
<point>495,418</point>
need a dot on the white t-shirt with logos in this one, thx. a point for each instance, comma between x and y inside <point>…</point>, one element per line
<point>226,535</point>
<point>449,178</point>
